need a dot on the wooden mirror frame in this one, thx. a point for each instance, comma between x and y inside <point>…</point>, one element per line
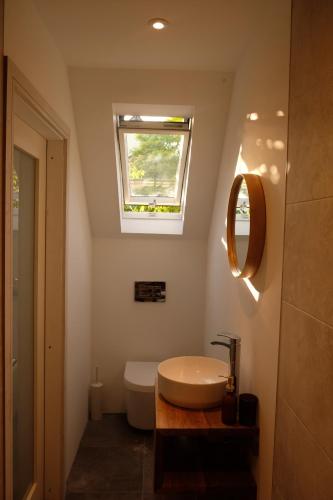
<point>257,225</point>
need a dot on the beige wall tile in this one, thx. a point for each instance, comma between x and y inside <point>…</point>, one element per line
<point>308,258</point>
<point>310,148</point>
<point>276,495</point>
<point>303,467</point>
<point>306,372</point>
<point>302,471</point>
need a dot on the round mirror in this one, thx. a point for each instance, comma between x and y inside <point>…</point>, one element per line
<point>246,225</point>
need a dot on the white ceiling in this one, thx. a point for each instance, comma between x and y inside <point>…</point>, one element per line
<point>203,34</point>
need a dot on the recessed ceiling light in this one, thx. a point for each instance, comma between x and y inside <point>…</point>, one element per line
<point>158,24</point>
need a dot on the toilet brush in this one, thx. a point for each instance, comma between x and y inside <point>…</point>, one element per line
<point>96,389</point>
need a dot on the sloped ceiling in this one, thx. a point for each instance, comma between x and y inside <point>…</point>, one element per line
<point>115,56</point>
<point>94,91</point>
<point>203,34</point>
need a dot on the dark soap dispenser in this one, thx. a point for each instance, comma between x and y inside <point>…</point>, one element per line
<point>229,403</point>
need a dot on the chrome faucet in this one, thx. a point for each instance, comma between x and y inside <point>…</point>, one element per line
<point>231,344</point>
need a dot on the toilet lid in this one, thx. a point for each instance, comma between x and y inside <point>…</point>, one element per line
<point>140,375</point>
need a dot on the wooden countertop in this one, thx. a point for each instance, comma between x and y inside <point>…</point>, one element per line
<point>172,419</point>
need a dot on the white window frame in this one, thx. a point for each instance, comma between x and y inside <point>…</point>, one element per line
<point>160,128</point>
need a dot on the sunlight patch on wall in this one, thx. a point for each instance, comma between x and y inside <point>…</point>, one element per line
<point>252,117</point>
<point>263,168</point>
<point>224,243</point>
<point>241,166</point>
<point>274,174</point>
<point>279,145</point>
<point>254,292</point>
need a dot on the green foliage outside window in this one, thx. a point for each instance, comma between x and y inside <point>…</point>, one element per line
<point>152,209</point>
<point>153,164</point>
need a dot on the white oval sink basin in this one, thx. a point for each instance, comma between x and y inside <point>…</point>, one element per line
<point>192,381</point>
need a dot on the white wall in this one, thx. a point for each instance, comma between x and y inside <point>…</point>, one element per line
<point>128,330</point>
<point>261,86</point>
<point>30,46</point>
<point>95,90</point>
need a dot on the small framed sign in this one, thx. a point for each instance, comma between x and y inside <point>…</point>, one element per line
<point>150,291</point>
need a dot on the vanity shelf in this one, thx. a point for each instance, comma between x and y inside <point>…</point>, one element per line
<point>196,452</point>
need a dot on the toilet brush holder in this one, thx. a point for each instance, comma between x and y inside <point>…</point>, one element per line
<point>96,392</point>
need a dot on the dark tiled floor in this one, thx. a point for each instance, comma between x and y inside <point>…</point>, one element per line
<point>115,462</point>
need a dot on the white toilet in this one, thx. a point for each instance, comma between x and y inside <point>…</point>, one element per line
<point>139,380</point>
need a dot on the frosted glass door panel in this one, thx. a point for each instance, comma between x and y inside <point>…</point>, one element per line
<point>24,182</point>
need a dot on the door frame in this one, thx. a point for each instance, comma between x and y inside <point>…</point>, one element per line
<point>24,100</point>
<point>2,264</point>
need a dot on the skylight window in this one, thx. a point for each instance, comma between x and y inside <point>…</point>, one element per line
<point>154,158</point>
